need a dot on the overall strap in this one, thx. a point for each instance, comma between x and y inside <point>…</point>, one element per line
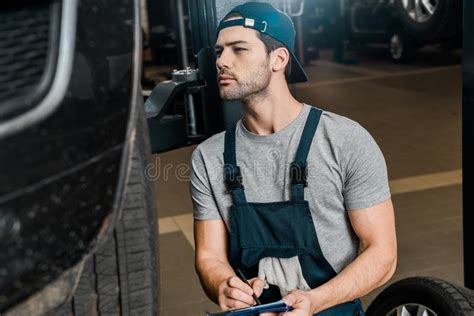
<point>298,168</point>
<point>232,175</point>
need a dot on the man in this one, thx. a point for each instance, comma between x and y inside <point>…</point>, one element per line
<point>295,197</point>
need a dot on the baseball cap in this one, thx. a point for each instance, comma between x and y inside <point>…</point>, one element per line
<point>264,18</point>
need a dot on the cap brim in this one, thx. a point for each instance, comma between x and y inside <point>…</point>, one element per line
<point>297,72</point>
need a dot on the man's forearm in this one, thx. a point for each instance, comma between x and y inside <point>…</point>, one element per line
<point>212,273</point>
<point>371,269</point>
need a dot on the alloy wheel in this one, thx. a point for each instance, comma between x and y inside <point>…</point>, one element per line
<point>411,309</point>
<point>396,47</point>
<point>420,10</point>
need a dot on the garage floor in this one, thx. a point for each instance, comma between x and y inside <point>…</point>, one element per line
<point>413,112</point>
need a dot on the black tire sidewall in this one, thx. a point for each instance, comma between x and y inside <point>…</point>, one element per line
<point>418,295</point>
<point>422,291</point>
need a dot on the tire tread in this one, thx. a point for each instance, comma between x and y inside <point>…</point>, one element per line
<point>122,276</point>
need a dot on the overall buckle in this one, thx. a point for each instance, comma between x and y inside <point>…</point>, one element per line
<point>298,174</point>
<point>233,180</point>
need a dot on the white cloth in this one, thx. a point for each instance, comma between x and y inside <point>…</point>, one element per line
<point>285,273</point>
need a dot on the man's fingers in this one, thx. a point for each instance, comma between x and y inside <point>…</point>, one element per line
<point>290,299</point>
<point>231,304</point>
<point>237,304</point>
<point>257,286</point>
<point>236,282</point>
<point>299,301</point>
<point>238,295</point>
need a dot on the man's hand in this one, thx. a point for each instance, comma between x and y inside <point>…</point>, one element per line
<point>234,293</point>
<point>299,300</point>
<point>301,303</point>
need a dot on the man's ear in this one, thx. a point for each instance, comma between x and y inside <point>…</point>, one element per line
<point>280,58</point>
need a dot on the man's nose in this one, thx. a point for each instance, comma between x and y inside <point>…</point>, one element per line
<point>222,60</point>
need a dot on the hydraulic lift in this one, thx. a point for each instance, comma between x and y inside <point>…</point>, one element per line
<point>205,113</point>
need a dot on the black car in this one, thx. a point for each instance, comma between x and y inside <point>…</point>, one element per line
<point>78,225</point>
<point>401,26</point>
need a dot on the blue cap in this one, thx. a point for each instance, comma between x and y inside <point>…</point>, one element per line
<point>264,18</point>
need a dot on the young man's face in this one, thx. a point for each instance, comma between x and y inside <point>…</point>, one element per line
<point>242,63</point>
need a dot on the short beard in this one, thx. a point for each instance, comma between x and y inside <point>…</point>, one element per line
<point>252,88</point>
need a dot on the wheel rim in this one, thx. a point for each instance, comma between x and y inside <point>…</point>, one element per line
<point>411,309</point>
<point>420,10</point>
<point>396,47</point>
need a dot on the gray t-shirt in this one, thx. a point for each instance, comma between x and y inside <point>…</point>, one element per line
<point>346,171</point>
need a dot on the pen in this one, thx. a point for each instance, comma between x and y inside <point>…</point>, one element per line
<point>242,276</point>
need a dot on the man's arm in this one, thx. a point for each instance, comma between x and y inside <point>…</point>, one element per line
<point>212,264</point>
<point>217,277</point>
<point>374,266</point>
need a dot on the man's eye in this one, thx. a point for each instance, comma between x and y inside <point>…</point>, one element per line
<point>238,49</point>
<point>218,52</point>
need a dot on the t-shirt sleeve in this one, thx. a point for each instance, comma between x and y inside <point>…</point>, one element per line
<point>204,203</point>
<point>366,179</point>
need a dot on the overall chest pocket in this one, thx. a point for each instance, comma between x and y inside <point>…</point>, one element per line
<point>279,229</point>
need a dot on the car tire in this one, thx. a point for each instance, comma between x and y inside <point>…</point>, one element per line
<point>401,48</point>
<point>445,20</point>
<point>122,276</point>
<point>423,296</point>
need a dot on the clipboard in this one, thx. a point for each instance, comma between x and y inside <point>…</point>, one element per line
<point>278,306</point>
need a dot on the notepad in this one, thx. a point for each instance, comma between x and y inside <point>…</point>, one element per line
<point>278,306</point>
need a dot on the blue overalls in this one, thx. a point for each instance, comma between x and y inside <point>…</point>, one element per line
<point>279,229</point>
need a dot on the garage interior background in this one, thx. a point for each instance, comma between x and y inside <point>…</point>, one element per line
<point>409,101</point>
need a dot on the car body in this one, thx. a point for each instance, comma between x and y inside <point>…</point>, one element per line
<point>69,114</point>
